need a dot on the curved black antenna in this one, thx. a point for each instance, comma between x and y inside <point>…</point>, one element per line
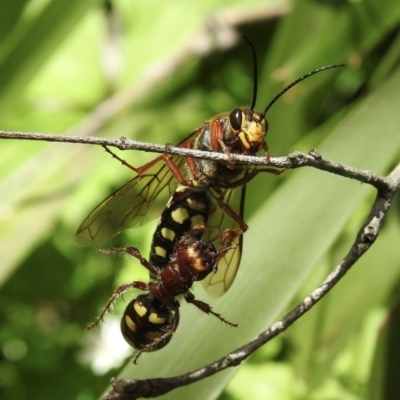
<point>297,81</point>
<point>255,82</point>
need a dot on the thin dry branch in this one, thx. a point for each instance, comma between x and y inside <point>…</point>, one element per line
<point>125,389</point>
<point>292,161</point>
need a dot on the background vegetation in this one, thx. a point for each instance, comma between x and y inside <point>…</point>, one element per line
<point>60,60</point>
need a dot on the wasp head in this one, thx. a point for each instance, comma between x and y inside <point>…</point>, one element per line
<point>250,127</point>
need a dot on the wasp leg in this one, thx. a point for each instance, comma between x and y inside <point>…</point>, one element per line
<point>236,217</point>
<point>123,162</point>
<point>117,292</point>
<point>133,251</point>
<point>169,163</point>
<point>189,297</point>
<point>226,237</point>
<point>247,178</point>
<point>267,156</point>
<point>231,161</point>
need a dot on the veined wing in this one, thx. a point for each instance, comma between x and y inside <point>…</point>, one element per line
<point>130,205</point>
<point>217,284</point>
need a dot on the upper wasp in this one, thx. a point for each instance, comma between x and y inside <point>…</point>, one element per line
<point>213,191</point>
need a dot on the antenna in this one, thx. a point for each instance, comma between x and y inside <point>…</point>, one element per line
<point>255,82</point>
<point>297,81</point>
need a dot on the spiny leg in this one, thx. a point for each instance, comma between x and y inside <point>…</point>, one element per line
<point>189,297</point>
<point>227,236</point>
<point>117,292</point>
<point>133,251</point>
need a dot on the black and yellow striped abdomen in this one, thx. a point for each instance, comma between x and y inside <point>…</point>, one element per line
<point>187,208</point>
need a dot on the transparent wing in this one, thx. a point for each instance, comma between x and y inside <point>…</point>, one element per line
<point>135,203</point>
<point>217,284</point>
<point>130,205</point>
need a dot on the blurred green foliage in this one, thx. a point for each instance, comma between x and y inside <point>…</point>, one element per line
<point>60,60</point>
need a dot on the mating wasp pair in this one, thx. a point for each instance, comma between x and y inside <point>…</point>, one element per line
<point>204,213</point>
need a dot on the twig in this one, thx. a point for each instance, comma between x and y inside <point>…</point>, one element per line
<point>292,161</point>
<point>125,389</point>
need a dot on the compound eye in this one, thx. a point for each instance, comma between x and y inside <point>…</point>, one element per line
<point>235,118</point>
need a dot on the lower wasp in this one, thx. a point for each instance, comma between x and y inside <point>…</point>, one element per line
<point>219,185</point>
<point>150,319</point>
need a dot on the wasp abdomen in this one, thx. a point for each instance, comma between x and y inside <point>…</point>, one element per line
<point>187,208</point>
<point>146,320</point>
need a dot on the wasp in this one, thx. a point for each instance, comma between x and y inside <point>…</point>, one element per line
<point>150,319</point>
<point>218,186</point>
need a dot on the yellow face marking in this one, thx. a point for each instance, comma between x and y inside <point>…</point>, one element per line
<point>130,324</point>
<point>197,220</point>
<point>180,215</point>
<point>243,139</point>
<point>155,319</point>
<point>197,205</point>
<point>253,133</point>
<point>139,309</point>
<point>160,251</point>
<point>168,234</point>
